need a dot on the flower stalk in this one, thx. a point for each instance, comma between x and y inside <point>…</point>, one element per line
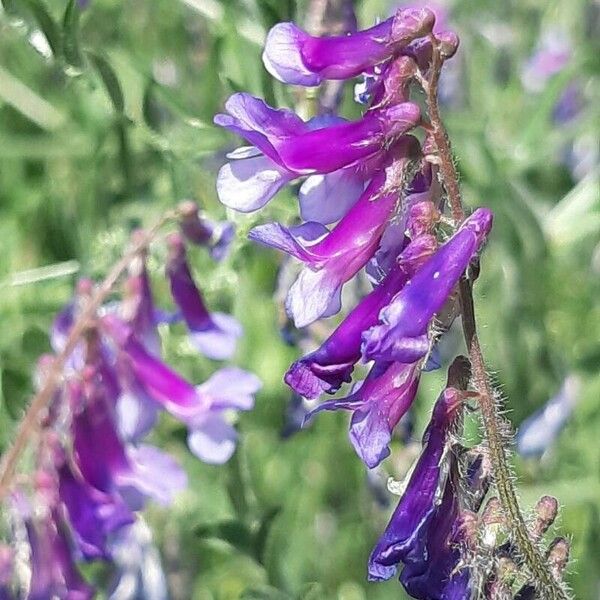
<point>495,426</point>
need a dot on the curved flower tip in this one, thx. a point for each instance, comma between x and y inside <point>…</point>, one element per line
<point>282,56</point>
<point>230,388</point>
<point>310,379</point>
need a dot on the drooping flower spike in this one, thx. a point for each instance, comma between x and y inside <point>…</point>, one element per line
<point>328,367</point>
<point>402,336</point>
<point>213,334</point>
<point>293,56</point>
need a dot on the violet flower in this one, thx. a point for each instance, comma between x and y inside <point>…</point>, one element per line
<point>6,571</point>
<point>293,56</point>
<point>378,405</point>
<point>325,369</point>
<point>94,515</point>
<point>106,463</point>
<point>53,572</point>
<point>210,437</point>
<point>402,336</point>
<point>407,528</point>
<point>138,305</point>
<point>285,148</point>
<point>217,237</point>
<point>213,334</point>
<point>333,258</point>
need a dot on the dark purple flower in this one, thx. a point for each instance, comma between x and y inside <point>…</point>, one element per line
<point>325,369</point>
<point>93,514</point>
<point>403,334</point>
<point>53,572</point>
<point>379,403</point>
<point>104,460</point>
<point>201,408</point>
<point>332,258</point>
<point>285,148</point>
<point>213,334</point>
<point>217,237</point>
<point>293,56</point>
<point>406,531</point>
<point>433,569</point>
<point>138,305</point>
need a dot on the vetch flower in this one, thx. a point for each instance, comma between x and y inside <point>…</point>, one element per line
<point>333,258</point>
<point>293,56</point>
<point>217,237</point>
<point>201,408</point>
<point>378,405</point>
<point>213,334</point>
<point>328,367</point>
<point>408,526</point>
<point>284,148</point>
<point>94,515</point>
<point>402,336</point>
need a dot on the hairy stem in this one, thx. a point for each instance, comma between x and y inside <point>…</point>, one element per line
<point>494,424</point>
<point>30,424</point>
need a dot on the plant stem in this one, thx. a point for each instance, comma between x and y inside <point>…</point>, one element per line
<point>30,424</point>
<point>495,426</point>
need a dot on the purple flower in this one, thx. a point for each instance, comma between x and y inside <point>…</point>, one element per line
<point>217,237</point>
<point>103,459</point>
<point>6,571</point>
<point>379,403</point>
<point>53,572</point>
<point>213,334</point>
<point>332,258</point>
<point>201,408</point>
<point>406,531</point>
<point>285,148</point>
<point>94,515</point>
<point>325,369</point>
<point>293,56</point>
<point>433,569</point>
<point>403,335</point>
<point>138,305</point>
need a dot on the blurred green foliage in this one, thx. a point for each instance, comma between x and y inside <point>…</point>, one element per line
<point>106,121</point>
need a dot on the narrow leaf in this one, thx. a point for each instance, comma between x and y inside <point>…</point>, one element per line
<point>109,79</point>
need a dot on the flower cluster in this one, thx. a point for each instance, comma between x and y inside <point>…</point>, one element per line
<point>94,470</point>
<point>377,186</point>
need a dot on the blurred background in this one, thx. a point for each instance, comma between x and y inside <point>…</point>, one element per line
<point>106,121</point>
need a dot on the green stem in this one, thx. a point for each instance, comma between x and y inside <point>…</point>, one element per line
<point>495,426</point>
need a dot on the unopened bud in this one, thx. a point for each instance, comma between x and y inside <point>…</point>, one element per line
<point>545,513</point>
<point>558,556</point>
<point>422,218</point>
<point>492,522</point>
<point>448,43</point>
<point>411,23</point>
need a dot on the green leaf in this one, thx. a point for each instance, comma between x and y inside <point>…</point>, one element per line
<point>109,79</point>
<point>71,47</point>
<point>13,385</point>
<point>47,24</point>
